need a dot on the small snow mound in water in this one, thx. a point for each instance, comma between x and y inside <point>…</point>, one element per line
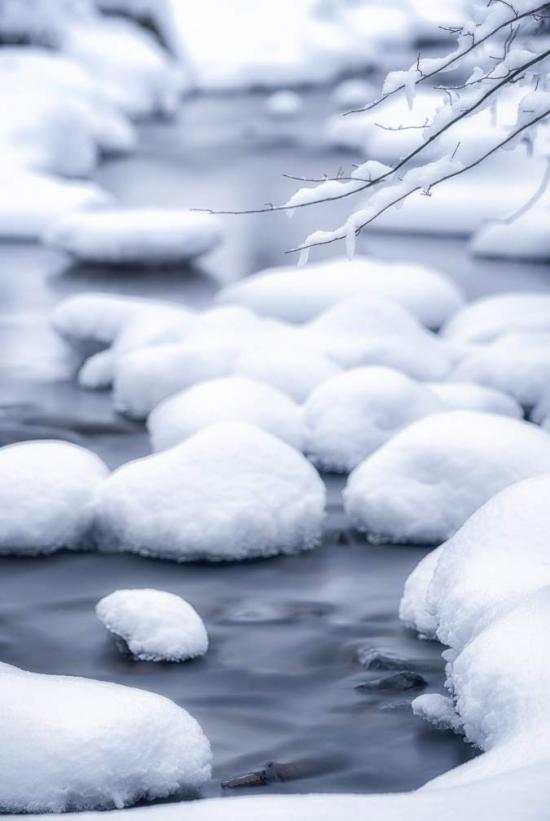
<point>353,93</point>
<point>47,489</point>
<point>425,482</point>
<point>413,609</point>
<point>292,370</point>
<point>230,492</point>
<point>372,330</point>
<point>234,398</point>
<point>471,396</point>
<point>488,318</point>
<point>76,744</point>
<point>156,625</point>
<point>138,237</point>
<point>438,710</point>
<point>350,416</point>
<point>283,105</point>
<point>300,295</point>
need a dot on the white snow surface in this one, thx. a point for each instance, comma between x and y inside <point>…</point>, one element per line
<point>156,625</point>
<point>232,491</point>
<point>47,490</point>
<point>233,398</point>
<point>76,744</point>
<point>488,318</point>
<point>524,237</point>
<point>138,237</point>
<point>424,483</point>
<point>293,370</point>
<point>300,295</point>
<point>471,396</point>
<point>348,417</point>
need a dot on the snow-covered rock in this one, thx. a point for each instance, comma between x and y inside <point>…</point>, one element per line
<point>517,364</point>
<point>233,398</point>
<point>289,368</point>
<point>439,710</point>
<point>283,105</point>
<point>471,396</point>
<point>348,417</point>
<point>136,237</point>
<point>156,625</point>
<point>47,490</point>
<point>300,295</point>
<point>424,483</point>
<point>486,319</point>
<point>353,93</point>
<point>525,237</point>
<point>31,202</point>
<point>373,330</point>
<point>77,744</point>
<point>413,608</point>
<point>230,492</point>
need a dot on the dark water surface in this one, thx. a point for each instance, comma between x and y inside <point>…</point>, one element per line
<point>279,682</point>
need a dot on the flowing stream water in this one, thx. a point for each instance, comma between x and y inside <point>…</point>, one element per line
<point>279,683</point>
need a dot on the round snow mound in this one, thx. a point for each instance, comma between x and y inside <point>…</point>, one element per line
<point>230,492</point>
<point>218,400</point>
<point>157,626</point>
<point>138,237</point>
<point>47,489</point>
<point>76,744</point>
<point>423,484</point>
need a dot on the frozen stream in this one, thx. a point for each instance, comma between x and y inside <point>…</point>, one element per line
<point>279,681</point>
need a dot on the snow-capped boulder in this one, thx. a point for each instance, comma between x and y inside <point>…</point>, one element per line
<point>30,202</point>
<point>413,608</point>
<point>486,319</point>
<point>423,484</point>
<point>517,364</point>
<point>230,492</point>
<point>77,744</point>
<point>233,398</point>
<point>348,417</point>
<point>298,296</point>
<point>525,237</point>
<point>353,93</point>
<point>293,370</point>
<point>284,104</point>
<point>471,396</point>
<point>497,557</point>
<point>47,489</point>
<point>135,237</point>
<point>156,625</point>
<point>372,330</point>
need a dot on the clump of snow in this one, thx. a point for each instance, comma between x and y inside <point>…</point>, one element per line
<point>230,492</point>
<point>283,105</point>
<point>354,93</point>
<point>471,396</point>
<point>233,398</point>
<point>486,319</point>
<point>424,483</point>
<point>372,330</point>
<point>31,202</point>
<point>439,710</point>
<point>413,608</point>
<point>77,744</point>
<point>156,625</point>
<point>289,368</point>
<point>348,417</point>
<point>298,296</point>
<point>47,489</point>
<point>137,237</point>
<point>525,237</point>
<point>517,364</point>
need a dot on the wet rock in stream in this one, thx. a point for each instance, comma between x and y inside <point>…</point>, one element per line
<point>403,680</point>
<point>275,771</point>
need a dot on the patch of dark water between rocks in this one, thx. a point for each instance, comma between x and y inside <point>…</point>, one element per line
<point>308,682</point>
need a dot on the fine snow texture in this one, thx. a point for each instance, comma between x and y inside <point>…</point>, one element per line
<point>493,316</point>
<point>234,398</point>
<point>142,237</point>
<point>350,416</point>
<point>425,482</point>
<point>47,489</point>
<point>157,626</point>
<point>75,744</point>
<point>470,396</point>
<point>231,491</point>
<point>298,296</point>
